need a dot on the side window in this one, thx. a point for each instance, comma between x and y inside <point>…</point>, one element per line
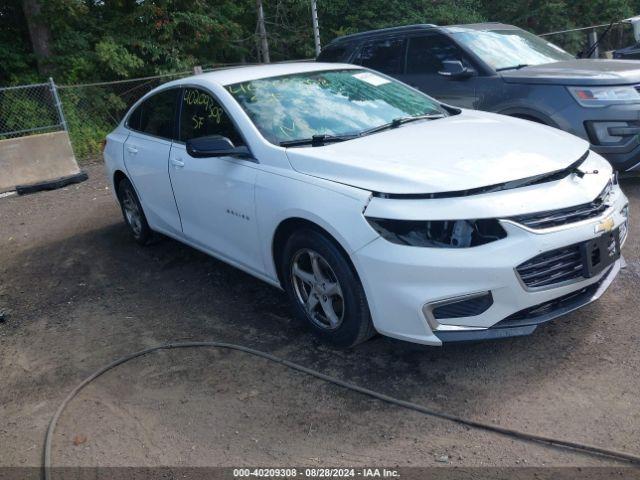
<point>202,115</point>
<point>386,56</point>
<point>133,122</point>
<point>426,54</point>
<point>156,115</point>
<point>332,53</point>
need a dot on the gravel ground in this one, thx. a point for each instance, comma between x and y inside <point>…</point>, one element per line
<point>79,293</point>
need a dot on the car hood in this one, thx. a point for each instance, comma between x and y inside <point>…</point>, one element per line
<point>461,152</point>
<point>578,72</point>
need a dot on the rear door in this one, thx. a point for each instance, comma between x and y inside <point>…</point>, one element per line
<point>215,195</point>
<point>146,156</point>
<point>386,55</point>
<point>425,54</point>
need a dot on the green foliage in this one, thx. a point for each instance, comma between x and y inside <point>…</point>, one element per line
<point>117,58</point>
<point>91,113</point>
<point>540,16</point>
<point>125,39</point>
<point>17,63</point>
<point>341,17</point>
<point>97,40</point>
<point>22,109</point>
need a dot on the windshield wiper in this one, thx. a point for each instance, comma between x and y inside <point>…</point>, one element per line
<point>318,140</point>
<point>591,50</point>
<point>512,67</point>
<point>323,139</point>
<point>396,122</point>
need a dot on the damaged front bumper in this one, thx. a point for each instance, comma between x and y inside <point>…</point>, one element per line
<point>527,320</point>
<point>411,290</point>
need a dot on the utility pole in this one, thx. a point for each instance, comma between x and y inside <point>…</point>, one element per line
<point>316,28</point>
<point>592,38</point>
<point>262,32</point>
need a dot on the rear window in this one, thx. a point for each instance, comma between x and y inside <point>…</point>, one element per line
<point>156,115</point>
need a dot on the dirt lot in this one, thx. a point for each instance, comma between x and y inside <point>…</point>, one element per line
<point>79,293</point>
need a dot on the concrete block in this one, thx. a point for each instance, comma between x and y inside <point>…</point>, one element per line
<point>35,159</point>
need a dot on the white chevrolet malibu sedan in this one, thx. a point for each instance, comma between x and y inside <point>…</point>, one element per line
<point>374,206</point>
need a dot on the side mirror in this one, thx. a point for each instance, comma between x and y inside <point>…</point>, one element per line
<point>454,69</point>
<point>215,146</point>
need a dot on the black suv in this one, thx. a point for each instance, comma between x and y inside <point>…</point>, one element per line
<point>504,69</point>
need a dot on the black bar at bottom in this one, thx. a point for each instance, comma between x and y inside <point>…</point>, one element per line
<point>52,184</point>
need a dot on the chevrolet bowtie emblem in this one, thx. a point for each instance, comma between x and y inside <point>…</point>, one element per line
<point>605,225</point>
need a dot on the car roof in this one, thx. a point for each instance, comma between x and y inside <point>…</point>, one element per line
<point>481,26</point>
<point>385,31</point>
<point>420,27</point>
<point>231,75</point>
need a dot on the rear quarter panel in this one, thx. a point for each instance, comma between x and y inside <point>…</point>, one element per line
<point>114,154</point>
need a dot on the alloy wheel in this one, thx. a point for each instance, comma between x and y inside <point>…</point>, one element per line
<point>317,289</point>
<point>132,212</point>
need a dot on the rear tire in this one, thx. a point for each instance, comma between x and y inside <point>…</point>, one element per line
<point>324,290</point>
<point>132,212</point>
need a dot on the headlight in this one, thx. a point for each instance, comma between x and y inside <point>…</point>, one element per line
<point>439,233</point>
<point>624,227</point>
<point>603,96</point>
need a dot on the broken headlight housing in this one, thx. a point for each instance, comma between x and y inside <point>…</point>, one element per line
<point>439,233</point>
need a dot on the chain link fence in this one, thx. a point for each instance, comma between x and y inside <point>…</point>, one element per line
<point>30,109</point>
<point>88,112</point>
<point>93,110</point>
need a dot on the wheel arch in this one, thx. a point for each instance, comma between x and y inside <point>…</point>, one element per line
<point>118,176</point>
<point>529,114</point>
<point>288,227</point>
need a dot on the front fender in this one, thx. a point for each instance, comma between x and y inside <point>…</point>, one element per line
<point>338,209</point>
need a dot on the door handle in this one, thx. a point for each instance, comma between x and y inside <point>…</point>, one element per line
<point>132,150</point>
<point>177,162</point>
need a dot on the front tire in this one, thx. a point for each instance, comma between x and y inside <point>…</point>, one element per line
<point>324,290</point>
<point>132,212</point>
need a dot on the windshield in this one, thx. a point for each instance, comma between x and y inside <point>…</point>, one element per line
<point>333,102</point>
<point>513,48</point>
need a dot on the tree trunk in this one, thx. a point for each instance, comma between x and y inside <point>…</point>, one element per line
<point>262,33</point>
<point>40,35</point>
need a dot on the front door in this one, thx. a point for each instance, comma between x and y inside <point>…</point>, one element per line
<point>425,54</point>
<point>215,196</point>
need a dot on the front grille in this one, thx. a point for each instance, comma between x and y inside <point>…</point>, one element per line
<point>564,216</point>
<point>552,267</point>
